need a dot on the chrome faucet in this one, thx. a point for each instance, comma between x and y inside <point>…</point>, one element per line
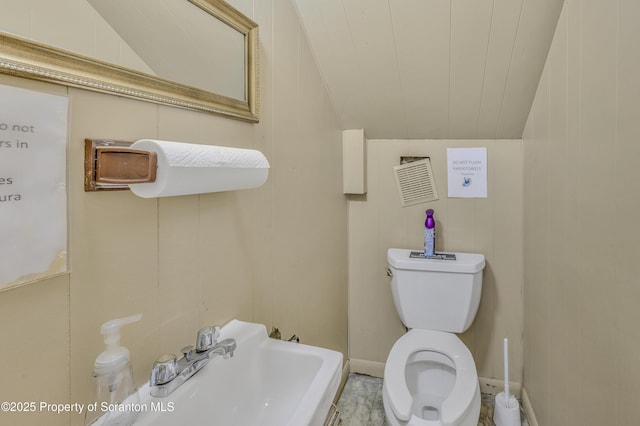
<point>169,372</point>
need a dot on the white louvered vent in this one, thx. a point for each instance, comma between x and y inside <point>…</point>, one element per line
<point>415,182</point>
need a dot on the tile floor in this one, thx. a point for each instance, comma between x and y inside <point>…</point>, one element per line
<point>361,403</point>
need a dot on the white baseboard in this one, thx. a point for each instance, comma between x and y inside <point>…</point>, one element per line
<point>370,368</point>
<point>528,409</point>
<point>343,380</point>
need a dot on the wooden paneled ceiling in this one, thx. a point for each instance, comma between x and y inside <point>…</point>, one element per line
<point>431,69</point>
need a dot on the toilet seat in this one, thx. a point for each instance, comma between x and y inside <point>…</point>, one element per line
<point>416,340</point>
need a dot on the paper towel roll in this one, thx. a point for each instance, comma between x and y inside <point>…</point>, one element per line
<point>185,169</point>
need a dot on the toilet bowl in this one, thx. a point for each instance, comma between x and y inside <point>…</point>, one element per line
<point>430,379</point>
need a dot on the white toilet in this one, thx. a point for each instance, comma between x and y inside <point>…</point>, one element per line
<point>430,377</point>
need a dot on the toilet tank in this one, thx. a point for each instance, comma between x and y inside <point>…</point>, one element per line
<point>436,294</point>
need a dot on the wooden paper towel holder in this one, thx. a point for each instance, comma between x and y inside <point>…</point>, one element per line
<point>111,165</point>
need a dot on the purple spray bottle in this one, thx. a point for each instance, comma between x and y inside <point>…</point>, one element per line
<point>430,235</point>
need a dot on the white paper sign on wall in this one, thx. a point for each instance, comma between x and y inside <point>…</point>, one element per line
<point>33,196</point>
<point>467,172</point>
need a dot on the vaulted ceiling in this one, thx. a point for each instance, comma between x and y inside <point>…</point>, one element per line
<point>431,69</point>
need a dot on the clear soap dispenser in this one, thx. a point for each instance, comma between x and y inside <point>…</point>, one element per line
<point>116,400</point>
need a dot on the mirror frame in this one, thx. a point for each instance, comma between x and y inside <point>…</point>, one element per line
<point>26,58</point>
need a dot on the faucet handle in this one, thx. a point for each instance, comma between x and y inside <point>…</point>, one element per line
<point>228,347</point>
<point>164,370</point>
<point>207,338</point>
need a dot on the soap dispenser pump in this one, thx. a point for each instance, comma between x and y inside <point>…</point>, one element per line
<point>116,399</point>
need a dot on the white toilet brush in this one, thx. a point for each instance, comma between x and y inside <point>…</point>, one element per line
<point>506,411</point>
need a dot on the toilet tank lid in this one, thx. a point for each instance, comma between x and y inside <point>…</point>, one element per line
<point>465,263</point>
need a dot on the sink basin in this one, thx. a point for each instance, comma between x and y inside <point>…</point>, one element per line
<point>267,382</point>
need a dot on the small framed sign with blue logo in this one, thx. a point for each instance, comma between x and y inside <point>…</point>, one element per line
<point>467,172</point>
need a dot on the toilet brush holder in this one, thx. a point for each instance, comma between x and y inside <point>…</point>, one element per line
<point>506,412</point>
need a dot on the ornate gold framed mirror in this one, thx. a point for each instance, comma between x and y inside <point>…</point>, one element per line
<point>182,25</point>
